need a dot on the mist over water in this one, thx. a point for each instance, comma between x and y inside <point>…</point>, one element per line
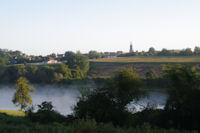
<point>64,98</point>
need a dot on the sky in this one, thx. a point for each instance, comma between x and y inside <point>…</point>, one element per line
<point>41,27</point>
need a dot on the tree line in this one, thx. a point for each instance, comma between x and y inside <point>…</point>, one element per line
<point>165,52</point>
<point>17,57</point>
<point>76,67</point>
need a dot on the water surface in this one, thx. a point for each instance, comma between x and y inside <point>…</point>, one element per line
<point>64,98</point>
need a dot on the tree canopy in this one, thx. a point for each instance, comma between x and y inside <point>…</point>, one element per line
<point>184,100</point>
<point>22,97</point>
<point>78,62</point>
<point>109,103</point>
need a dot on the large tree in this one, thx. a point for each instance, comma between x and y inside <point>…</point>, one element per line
<point>94,54</point>
<point>152,51</point>
<point>109,104</point>
<point>197,50</point>
<point>22,97</point>
<point>77,60</point>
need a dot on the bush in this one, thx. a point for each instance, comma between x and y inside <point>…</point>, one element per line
<point>108,104</point>
<point>46,114</point>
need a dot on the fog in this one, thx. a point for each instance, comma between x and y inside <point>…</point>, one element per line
<point>64,98</point>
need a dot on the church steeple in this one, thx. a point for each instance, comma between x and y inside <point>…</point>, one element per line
<point>131,48</point>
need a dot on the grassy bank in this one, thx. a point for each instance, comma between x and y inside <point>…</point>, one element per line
<point>13,112</point>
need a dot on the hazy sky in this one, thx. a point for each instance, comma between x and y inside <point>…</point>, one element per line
<point>46,26</point>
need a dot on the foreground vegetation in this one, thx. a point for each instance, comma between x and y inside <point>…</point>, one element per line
<point>10,124</point>
<point>105,109</point>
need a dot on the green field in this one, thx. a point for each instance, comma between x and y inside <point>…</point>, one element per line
<point>13,112</point>
<point>150,59</point>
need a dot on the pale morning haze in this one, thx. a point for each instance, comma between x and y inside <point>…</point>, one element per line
<point>46,26</point>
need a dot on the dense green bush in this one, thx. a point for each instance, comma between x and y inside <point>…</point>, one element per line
<point>42,74</point>
<point>183,103</point>
<point>108,104</point>
<point>45,114</point>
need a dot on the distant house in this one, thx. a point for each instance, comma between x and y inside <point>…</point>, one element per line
<point>30,58</point>
<point>119,52</point>
<point>175,50</point>
<point>59,56</point>
<point>51,60</point>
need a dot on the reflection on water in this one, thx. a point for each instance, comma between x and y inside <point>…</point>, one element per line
<point>156,99</point>
<point>63,99</point>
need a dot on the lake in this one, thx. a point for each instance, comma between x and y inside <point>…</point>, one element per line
<point>64,98</point>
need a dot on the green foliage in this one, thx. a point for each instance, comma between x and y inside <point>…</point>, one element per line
<point>94,55</point>
<point>77,61</point>
<point>164,52</point>
<point>184,101</point>
<point>22,97</point>
<point>151,74</point>
<point>14,72</point>
<point>197,50</point>
<point>186,52</point>
<point>45,106</point>
<point>152,51</point>
<point>3,62</point>
<point>31,72</point>
<point>125,86</point>
<point>64,70</point>
<point>109,103</point>
<point>11,124</point>
<point>45,114</point>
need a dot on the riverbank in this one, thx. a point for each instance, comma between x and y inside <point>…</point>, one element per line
<point>13,112</point>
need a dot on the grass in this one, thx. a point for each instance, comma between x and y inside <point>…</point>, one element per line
<point>13,112</point>
<point>150,59</point>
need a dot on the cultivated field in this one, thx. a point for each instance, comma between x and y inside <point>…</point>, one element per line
<point>146,59</point>
<point>106,67</point>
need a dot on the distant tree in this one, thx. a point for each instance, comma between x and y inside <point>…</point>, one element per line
<point>64,70</point>
<point>197,50</point>
<point>152,51</point>
<point>22,97</point>
<point>77,60</point>
<point>94,55</point>
<point>45,106</point>
<point>186,52</point>
<point>164,52</point>
<point>69,56</point>
<point>151,74</point>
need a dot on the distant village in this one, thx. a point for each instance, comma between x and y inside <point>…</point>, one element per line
<point>17,57</point>
<point>57,58</point>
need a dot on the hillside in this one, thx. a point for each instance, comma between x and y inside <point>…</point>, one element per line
<point>106,67</point>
